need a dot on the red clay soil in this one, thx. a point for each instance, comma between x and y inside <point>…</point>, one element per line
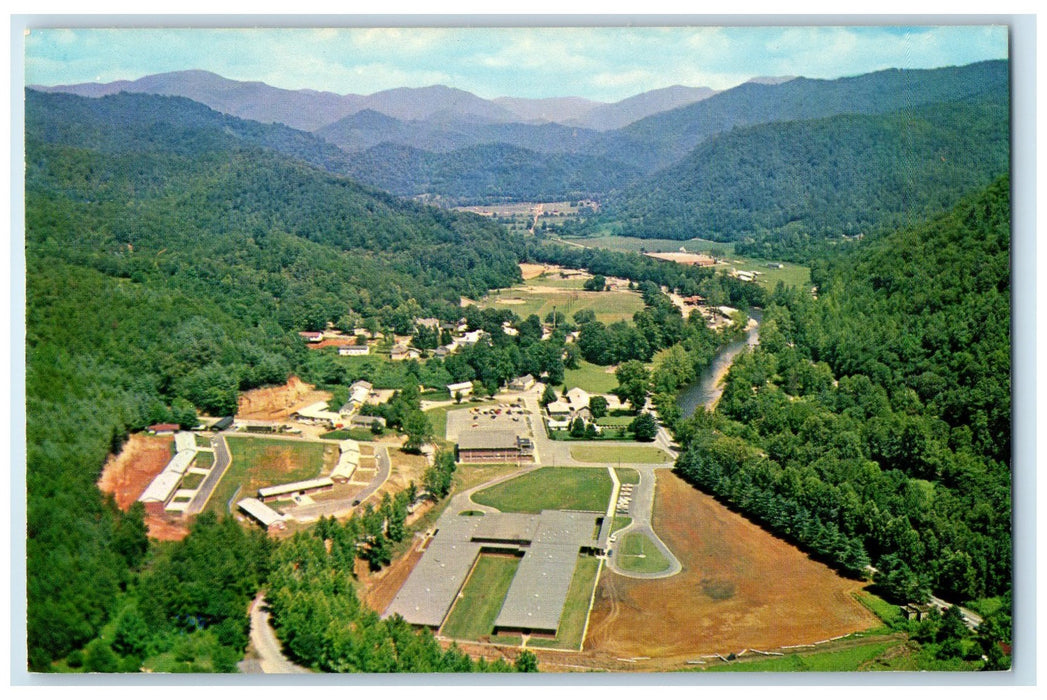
<point>279,402</point>
<point>127,475</point>
<point>740,588</point>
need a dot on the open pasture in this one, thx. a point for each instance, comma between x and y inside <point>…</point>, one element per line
<point>740,588</point>
<point>540,296</point>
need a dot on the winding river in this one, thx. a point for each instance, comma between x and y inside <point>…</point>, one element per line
<point>707,390</point>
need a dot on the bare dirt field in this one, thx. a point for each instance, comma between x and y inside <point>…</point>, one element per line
<point>278,402</point>
<point>127,474</point>
<point>740,588</point>
<point>532,270</point>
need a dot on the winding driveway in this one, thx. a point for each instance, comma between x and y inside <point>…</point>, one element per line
<point>271,657</point>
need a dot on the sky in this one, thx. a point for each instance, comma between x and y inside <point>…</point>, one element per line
<point>605,64</point>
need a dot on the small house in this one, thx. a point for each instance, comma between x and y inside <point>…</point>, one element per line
<point>463,388</point>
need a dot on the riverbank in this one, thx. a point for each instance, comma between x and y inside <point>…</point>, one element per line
<point>706,392</point>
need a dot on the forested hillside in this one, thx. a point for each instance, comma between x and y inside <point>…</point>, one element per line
<point>662,139</point>
<point>488,173</point>
<point>786,184</point>
<point>872,424</point>
<point>169,263</point>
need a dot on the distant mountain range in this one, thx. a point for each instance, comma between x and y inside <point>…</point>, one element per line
<point>310,110</point>
<point>458,147</point>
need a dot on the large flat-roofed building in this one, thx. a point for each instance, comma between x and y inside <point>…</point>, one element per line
<point>494,446</point>
<point>549,544</point>
<point>295,488</point>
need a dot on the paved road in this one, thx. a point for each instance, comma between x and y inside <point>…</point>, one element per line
<point>263,639</point>
<point>222,460</point>
<point>641,510</point>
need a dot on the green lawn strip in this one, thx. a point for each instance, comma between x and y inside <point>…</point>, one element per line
<point>594,379</point>
<point>359,434</point>
<point>619,453</point>
<point>576,607</point>
<point>620,522</point>
<point>250,467</point>
<point>628,476</point>
<point>204,460</point>
<point>202,441</point>
<point>477,607</point>
<point>507,639</point>
<point>550,488</point>
<point>861,657</point>
<point>639,554</point>
<point>615,421</point>
<point>191,481</point>
<point>887,612</point>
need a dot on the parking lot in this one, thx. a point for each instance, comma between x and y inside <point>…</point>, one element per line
<point>502,416</point>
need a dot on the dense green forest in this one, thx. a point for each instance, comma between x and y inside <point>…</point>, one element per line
<point>487,173</point>
<point>188,258</point>
<point>872,425</point>
<point>780,186</point>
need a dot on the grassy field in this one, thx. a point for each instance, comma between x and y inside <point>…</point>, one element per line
<point>542,296</point>
<point>481,598</point>
<point>204,460</point>
<point>576,608</point>
<point>467,476</point>
<point>615,421</point>
<point>592,378</point>
<point>620,522</point>
<point>619,453</point>
<point>791,274</point>
<point>889,613</point>
<point>639,554</point>
<point>550,488</point>
<point>861,657</point>
<point>259,462</point>
<point>628,476</point>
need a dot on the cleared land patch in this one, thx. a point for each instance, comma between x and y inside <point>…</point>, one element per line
<point>608,454</point>
<point>473,616</point>
<point>550,488</point>
<point>740,588</point>
<point>540,297</point>
<point>639,554</point>
<point>259,462</point>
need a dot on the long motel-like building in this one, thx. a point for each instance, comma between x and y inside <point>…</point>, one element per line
<point>548,544</point>
<point>348,461</point>
<point>262,514</point>
<point>162,494</point>
<point>295,488</point>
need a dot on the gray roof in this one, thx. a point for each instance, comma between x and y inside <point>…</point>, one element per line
<point>539,588</point>
<point>260,511</point>
<point>487,440</point>
<point>294,486</point>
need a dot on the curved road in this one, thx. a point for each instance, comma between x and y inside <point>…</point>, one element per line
<point>640,510</point>
<point>313,511</point>
<point>263,639</point>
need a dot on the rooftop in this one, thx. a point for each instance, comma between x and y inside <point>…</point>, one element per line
<point>487,440</point>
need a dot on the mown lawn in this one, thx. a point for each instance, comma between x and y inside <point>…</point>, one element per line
<point>592,378</point>
<point>550,488</point>
<point>481,598</point>
<point>639,554</point>
<point>609,454</point>
<point>628,476</point>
